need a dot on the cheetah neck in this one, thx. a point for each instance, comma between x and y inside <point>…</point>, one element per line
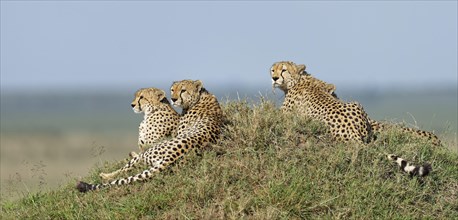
<point>151,110</point>
<point>291,84</point>
<point>202,96</point>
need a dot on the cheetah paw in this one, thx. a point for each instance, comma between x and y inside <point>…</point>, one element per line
<point>105,176</point>
<point>133,154</point>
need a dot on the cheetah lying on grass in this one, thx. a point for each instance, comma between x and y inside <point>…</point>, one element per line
<point>348,122</point>
<point>199,125</point>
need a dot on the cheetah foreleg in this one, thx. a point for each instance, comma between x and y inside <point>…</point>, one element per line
<point>129,166</point>
<point>133,154</point>
<point>108,176</point>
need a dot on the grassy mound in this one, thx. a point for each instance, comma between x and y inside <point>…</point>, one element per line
<point>269,166</point>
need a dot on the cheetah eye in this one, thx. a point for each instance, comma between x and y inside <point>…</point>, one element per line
<point>183,90</point>
<point>283,70</point>
<point>141,97</point>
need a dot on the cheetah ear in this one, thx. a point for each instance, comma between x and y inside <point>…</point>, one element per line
<point>199,85</point>
<point>137,93</point>
<point>300,69</point>
<point>160,95</point>
<point>173,83</point>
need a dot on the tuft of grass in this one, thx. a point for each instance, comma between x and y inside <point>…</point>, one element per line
<point>269,165</point>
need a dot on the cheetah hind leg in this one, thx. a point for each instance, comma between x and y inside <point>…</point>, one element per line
<point>130,165</point>
<point>146,174</point>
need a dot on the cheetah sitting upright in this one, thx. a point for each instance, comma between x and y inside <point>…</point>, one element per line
<point>160,119</point>
<point>200,124</point>
<point>348,122</point>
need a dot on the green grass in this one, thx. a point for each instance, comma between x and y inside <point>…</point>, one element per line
<point>269,166</point>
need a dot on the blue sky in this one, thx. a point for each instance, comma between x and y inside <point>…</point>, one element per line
<point>124,44</point>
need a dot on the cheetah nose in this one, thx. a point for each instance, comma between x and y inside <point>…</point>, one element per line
<point>174,99</point>
<point>275,78</point>
<point>133,105</point>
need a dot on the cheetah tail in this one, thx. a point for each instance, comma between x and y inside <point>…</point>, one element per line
<point>412,170</point>
<point>85,187</point>
<point>146,174</point>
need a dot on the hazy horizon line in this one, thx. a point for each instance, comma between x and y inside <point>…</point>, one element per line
<point>227,86</point>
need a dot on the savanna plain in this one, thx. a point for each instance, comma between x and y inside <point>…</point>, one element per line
<point>265,166</point>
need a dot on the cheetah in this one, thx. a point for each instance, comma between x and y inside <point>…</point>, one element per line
<point>348,122</point>
<point>160,119</point>
<point>376,126</point>
<point>199,125</point>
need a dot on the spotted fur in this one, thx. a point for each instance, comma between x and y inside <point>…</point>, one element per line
<point>326,87</point>
<point>160,119</point>
<point>347,121</point>
<point>200,124</point>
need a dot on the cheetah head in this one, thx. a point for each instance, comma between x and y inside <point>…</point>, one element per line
<point>146,99</point>
<point>185,93</point>
<point>285,74</point>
